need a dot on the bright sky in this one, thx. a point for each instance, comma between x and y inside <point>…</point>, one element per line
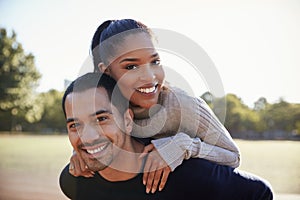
<point>255,45</point>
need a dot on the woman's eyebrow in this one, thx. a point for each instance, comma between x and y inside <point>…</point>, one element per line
<point>154,55</point>
<point>137,59</point>
<point>129,60</point>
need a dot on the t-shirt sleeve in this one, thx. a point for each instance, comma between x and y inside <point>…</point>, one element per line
<point>67,183</point>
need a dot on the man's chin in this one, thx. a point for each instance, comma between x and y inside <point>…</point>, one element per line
<point>96,165</point>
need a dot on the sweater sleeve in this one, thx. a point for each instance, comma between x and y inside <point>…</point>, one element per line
<point>208,139</point>
<point>216,144</point>
<point>181,146</point>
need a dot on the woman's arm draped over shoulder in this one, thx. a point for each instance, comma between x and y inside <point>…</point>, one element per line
<point>182,113</point>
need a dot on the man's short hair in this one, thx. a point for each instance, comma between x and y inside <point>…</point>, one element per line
<point>96,80</point>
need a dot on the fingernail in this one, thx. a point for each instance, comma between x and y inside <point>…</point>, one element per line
<point>153,190</point>
<point>144,182</point>
<point>159,189</point>
<point>147,190</point>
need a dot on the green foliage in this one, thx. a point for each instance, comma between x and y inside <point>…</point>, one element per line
<point>53,118</point>
<point>20,107</point>
<point>264,117</point>
<point>18,79</point>
<point>239,117</point>
<point>282,116</point>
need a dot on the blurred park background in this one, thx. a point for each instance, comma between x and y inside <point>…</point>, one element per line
<point>34,146</point>
<point>255,45</point>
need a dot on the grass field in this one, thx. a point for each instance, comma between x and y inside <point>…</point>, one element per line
<point>30,165</point>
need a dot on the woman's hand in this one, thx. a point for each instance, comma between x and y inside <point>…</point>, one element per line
<point>156,170</point>
<point>78,167</point>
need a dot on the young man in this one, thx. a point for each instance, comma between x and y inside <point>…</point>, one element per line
<point>99,125</point>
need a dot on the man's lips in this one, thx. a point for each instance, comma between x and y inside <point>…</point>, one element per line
<point>95,149</point>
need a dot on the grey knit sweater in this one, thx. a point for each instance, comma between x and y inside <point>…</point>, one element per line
<point>182,127</point>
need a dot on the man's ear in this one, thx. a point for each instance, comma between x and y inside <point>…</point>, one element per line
<point>103,68</point>
<point>128,120</point>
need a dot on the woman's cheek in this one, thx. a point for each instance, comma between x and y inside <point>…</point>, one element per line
<point>126,89</point>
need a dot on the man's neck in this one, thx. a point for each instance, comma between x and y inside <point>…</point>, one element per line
<point>126,165</point>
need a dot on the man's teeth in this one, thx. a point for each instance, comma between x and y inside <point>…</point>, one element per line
<point>92,151</point>
<point>147,90</point>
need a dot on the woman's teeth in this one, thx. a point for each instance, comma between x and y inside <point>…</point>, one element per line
<point>93,151</point>
<point>147,90</point>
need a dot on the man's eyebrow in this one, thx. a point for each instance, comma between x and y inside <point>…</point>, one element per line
<point>136,59</point>
<point>103,111</point>
<point>71,120</point>
<point>94,114</point>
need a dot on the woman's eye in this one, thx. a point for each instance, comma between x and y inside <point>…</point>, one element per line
<point>130,67</point>
<point>156,62</point>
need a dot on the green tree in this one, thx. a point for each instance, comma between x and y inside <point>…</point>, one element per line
<point>282,116</point>
<point>239,117</point>
<point>18,79</point>
<point>53,119</point>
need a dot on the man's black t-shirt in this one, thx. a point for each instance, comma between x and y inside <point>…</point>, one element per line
<point>193,179</point>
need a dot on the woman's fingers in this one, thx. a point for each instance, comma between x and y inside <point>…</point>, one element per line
<point>154,180</point>
<point>146,150</point>
<point>83,166</point>
<point>164,178</point>
<point>156,170</point>
<point>78,167</point>
<point>74,168</point>
<point>146,171</point>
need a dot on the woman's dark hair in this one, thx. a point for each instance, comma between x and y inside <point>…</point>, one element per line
<point>102,50</point>
<point>96,80</point>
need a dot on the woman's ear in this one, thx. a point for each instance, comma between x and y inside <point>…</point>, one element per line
<point>128,120</point>
<point>103,68</point>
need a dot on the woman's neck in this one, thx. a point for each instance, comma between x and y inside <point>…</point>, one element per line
<point>144,113</point>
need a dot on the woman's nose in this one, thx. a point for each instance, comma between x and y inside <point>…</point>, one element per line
<point>147,74</point>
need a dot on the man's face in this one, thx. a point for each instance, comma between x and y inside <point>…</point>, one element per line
<point>95,127</point>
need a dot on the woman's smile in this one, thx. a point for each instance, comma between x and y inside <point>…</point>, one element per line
<point>148,89</point>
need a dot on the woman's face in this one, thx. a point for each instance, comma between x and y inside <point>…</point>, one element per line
<point>137,70</point>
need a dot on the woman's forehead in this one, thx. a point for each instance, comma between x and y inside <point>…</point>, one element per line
<point>134,43</point>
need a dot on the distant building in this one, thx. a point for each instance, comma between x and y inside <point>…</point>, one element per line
<point>66,83</point>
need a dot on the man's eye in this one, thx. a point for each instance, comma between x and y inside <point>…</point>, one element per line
<point>130,67</point>
<point>74,126</point>
<point>101,119</point>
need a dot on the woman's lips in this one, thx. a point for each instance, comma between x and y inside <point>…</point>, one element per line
<point>147,90</point>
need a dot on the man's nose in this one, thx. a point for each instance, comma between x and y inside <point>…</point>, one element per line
<point>91,133</point>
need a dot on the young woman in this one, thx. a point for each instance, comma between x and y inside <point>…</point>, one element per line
<point>181,126</point>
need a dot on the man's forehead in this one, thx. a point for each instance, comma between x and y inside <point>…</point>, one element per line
<point>91,94</point>
<point>88,102</point>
